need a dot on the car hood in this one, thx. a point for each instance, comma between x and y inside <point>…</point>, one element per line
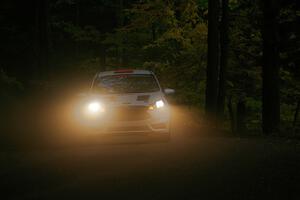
<point>130,99</point>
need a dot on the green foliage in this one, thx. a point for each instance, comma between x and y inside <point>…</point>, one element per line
<point>168,39</point>
<point>80,34</point>
<point>9,86</point>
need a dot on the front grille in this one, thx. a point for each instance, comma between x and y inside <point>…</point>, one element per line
<point>130,113</point>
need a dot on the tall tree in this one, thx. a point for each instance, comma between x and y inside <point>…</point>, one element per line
<point>223,58</point>
<point>42,35</point>
<point>212,58</point>
<point>123,58</point>
<point>270,72</point>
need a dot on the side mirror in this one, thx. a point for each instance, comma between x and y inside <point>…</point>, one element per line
<point>169,91</point>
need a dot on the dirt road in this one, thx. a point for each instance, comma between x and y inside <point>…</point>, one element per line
<point>193,165</point>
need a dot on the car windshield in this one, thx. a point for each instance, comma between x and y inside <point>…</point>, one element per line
<point>126,83</point>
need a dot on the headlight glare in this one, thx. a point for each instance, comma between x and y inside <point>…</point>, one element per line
<point>95,107</point>
<point>159,104</point>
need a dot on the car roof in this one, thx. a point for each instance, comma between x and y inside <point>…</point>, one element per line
<point>124,71</point>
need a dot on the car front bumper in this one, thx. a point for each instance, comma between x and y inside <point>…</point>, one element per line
<point>156,121</point>
<point>144,126</point>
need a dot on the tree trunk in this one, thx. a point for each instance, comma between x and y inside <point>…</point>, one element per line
<point>231,115</point>
<point>77,12</point>
<point>241,116</point>
<point>153,29</point>
<point>223,58</point>
<point>37,60</point>
<point>270,72</point>
<point>296,114</point>
<point>42,41</point>
<point>123,58</point>
<point>212,59</point>
<point>103,57</point>
<point>77,17</point>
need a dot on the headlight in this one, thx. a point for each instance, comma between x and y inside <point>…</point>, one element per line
<point>158,104</point>
<point>95,107</point>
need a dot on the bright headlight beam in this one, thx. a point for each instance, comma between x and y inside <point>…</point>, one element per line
<point>95,107</point>
<point>159,104</point>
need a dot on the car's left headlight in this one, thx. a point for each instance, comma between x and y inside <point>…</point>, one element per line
<point>94,107</point>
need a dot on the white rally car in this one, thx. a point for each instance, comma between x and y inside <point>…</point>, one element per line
<point>126,101</point>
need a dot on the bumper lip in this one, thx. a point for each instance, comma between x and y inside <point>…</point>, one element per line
<point>126,125</point>
<point>133,132</point>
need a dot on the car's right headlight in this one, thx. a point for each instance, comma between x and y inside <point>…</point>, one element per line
<point>157,105</point>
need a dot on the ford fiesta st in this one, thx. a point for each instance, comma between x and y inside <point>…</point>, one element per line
<point>126,101</point>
